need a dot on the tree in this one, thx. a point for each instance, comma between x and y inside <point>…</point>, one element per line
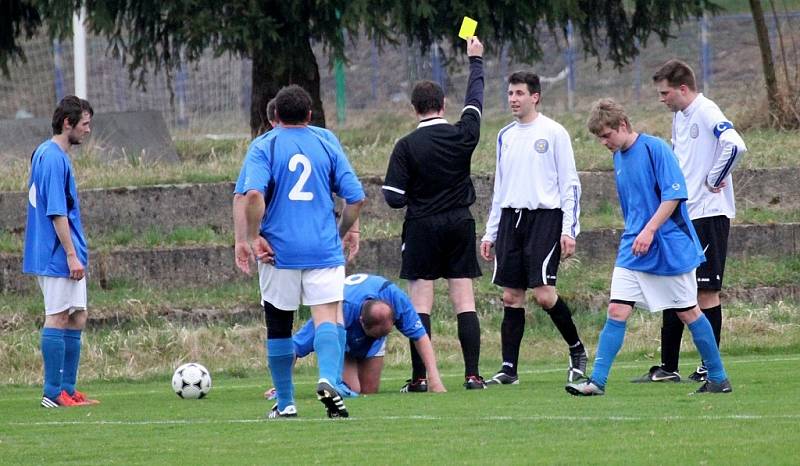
<point>155,35</point>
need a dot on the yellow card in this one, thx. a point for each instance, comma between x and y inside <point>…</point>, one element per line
<point>468,27</point>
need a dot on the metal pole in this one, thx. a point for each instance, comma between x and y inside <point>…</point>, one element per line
<point>79,54</point>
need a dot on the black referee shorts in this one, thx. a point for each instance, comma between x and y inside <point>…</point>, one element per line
<point>713,235</point>
<point>440,246</point>
<point>528,248</point>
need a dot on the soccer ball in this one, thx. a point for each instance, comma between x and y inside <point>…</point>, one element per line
<point>191,381</point>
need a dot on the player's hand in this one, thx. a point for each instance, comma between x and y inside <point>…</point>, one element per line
<point>474,47</point>
<point>567,246</point>
<point>642,243</point>
<point>271,394</point>
<point>436,386</point>
<point>263,250</point>
<point>718,189</point>
<point>244,256</point>
<point>76,270</point>
<point>350,243</point>
<point>486,250</point>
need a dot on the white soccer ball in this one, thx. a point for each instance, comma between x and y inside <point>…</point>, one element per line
<point>191,381</point>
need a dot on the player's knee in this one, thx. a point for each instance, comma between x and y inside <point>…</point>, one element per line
<point>77,320</point>
<point>619,311</point>
<point>545,296</point>
<point>279,323</point>
<point>59,320</point>
<point>687,315</point>
<point>513,297</point>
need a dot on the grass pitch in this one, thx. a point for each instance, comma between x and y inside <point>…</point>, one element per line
<point>534,422</point>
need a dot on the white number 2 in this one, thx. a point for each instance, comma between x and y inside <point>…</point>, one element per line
<point>297,193</point>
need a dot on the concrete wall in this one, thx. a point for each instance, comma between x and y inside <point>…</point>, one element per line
<point>170,206</point>
<point>214,264</point>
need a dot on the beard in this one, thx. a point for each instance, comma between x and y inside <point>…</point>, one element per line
<point>73,140</point>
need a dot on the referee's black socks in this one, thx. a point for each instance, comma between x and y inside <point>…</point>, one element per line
<point>714,316</point>
<point>417,365</point>
<point>671,334</point>
<point>562,318</point>
<point>511,331</point>
<point>469,334</point>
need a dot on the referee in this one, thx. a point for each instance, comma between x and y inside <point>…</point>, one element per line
<point>429,174</point>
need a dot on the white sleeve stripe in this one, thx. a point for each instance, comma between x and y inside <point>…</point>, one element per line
<point>468,107</point>
<point>392,189</point>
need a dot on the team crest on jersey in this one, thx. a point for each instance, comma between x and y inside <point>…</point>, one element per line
<point>541,146</point>
<point>694,131</point>
<point>676,186</point>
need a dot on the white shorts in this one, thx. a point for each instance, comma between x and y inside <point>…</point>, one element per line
<point>654,292</point>
<point>284,288</point>
<point>62,294</point>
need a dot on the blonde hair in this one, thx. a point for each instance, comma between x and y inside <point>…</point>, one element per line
<point>606,113</point>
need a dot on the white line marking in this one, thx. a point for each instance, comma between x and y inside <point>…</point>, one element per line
<point>730,417</point>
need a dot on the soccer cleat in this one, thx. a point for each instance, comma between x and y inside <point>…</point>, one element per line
<point>699,375</point>
<point>474,382</point>
<point>275,413</point>
<point>331,399</point>
<point>715,387</point>
<point>63,400</point>
<point>577,366</point>
<point>658,374</point>
<point>585,388</point>
<point>80,398</point>
<point>415,386</point>
<point>501,378</point>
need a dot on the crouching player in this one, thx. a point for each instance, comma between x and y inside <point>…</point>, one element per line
<point>658,251</point>
<point>372,305</point>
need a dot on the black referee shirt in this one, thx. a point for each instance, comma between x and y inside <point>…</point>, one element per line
<point>429,170</point>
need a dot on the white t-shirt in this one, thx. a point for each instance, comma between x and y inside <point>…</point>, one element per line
<point>535,170</point>
<point>708,148</point>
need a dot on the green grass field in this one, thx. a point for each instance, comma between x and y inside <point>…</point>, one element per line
<point>534,422</point>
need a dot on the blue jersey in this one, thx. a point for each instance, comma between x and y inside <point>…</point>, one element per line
<point>52,192</point>
<point>647,174</point>
<point>324,133</point>
<point>297,170</point>
<point>358,289</point>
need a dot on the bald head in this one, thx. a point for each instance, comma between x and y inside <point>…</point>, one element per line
<point>377,318</point>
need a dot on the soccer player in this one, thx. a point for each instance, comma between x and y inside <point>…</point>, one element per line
<point>429,173</point>
<point>658,251</point>
<point>57,254</point>
<point>372,305</point>
<point>708,148</point>
<point>533,223</point>
<point>290,227</point>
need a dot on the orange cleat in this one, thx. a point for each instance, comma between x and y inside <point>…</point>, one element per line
<point>63,400</point>
<point>81,399</point>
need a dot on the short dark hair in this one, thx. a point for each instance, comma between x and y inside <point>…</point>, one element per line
<point>676,73</point>
<point>271,110</point>
<point>528,78</point>
<point>426,97</point>
<point>71,108</point>
<point>292,104</point>
<point>368,317</point>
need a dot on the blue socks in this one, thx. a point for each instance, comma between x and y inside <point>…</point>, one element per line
<point>329,351</point>
<point>72,358</point>
<point>342,334</point>
<point>611,338</point>
<point>706,343</point>
<point>280,358</point>
<point>52,345</point>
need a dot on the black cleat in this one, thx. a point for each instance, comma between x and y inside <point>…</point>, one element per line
<point>415,386</point>
<point>501,378</point>
<point>275,413</point>
<point>331,399</point>
<point>715,387</point>
<point>699,375</point>
<point>577,366</point>
<point>658,374</point>
<point>474,382</point>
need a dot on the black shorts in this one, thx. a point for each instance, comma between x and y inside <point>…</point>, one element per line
<point>528,248</point>
<point>440,246</point>
<point>713,235</point>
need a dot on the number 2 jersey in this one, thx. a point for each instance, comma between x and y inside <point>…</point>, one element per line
<point>297,169</point>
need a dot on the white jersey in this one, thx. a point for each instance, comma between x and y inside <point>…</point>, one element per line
<point>535,170</point>
<point>708,149</point>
